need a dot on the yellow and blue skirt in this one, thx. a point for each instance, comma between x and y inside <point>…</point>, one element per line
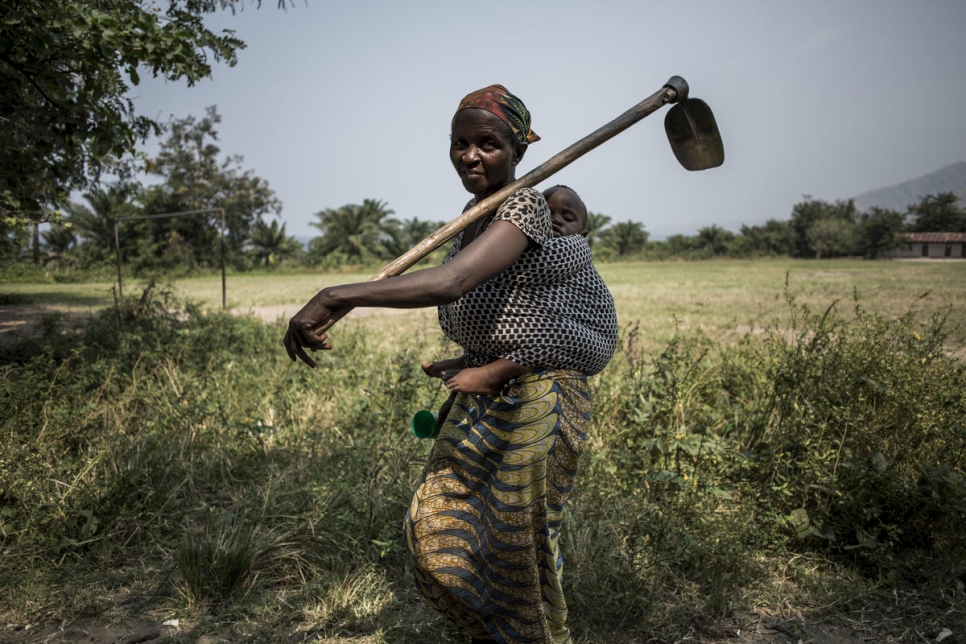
<point>484,525</point>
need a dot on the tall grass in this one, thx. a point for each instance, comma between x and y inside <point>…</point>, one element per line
<point>180,457</point>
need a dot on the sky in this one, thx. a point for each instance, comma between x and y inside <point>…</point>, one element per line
<point>336,102</point>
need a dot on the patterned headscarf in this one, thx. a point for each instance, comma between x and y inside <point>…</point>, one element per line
<point>509,108</point>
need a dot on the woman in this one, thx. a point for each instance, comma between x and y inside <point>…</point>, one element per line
<point>483,526</point>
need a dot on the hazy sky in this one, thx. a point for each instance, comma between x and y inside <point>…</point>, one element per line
<point>335,102</point>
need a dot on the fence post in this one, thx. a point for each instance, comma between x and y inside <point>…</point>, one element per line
<point>117,254</point>
<point>224,304</point>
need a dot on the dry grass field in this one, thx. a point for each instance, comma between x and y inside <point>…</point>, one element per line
<point>725,299</point>
<point>153,431</point>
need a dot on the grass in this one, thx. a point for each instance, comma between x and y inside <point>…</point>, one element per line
<point>722,298</point>
<point>162,464</point>
<point>728,298</point>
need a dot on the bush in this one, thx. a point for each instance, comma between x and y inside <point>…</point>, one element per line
<point>857,437</point>
<point>134,440</point>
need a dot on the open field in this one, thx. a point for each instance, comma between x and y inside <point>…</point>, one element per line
<point>725,299</point>
<point>755,472</point>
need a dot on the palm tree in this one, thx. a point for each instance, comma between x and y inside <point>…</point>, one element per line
<point>626,237</point>
<point>95,222</point>
<point>357,231</point>
<point>405,234</point>
<point>715,239</point>
<point>596,222</point>
<point>58,240</point>
<point>268,244</point>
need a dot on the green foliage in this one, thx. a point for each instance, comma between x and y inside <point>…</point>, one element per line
<point>624,238</point>
<point>58,240</point>
<point>185,444</point>
<point>860,426</point>
<point>268,245</point>
<point>830,237</point>
<point>596,223</point>
<point>65,69</point>
<point>878,230</point>
<point>403,235</point>
<point>213,567</point>
<point>715,239</point>
<point>194,178</point>
<point>354,232</point>
<point>816,229</point>
<point>14,242</point>
<point>814,221</point>
<point>773,238</point>
<point>939,213</point>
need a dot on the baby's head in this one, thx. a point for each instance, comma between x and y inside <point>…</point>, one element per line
<point>567,211</point>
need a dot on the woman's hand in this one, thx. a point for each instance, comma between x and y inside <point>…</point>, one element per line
<point>436,369</point>
<point>302,327</point>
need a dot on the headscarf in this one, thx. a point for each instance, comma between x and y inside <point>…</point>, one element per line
<point>496,99</point>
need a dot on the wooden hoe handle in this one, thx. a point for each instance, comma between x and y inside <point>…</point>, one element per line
<point>667,94</point>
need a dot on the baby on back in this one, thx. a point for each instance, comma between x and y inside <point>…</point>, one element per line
<point>586,304</point>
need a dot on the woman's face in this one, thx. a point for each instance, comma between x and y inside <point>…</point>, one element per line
<point>483,151</point>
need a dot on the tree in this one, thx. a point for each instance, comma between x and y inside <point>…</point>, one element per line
<point>269,244</point>
<point>59,240</point>
<point>939,213</point>
<point>715,239</point>
<point>626,237</point>
<point>679,245</point>
<point>356,231</point>
<point>94,222</point>
<point>772,238</point>
<point>878,230</point>
<point>403,235</point>
<point>830,237</point>
<point>65,69</point>
<point>809,212</point>
<point>194,178</point>
<point>596,222</point>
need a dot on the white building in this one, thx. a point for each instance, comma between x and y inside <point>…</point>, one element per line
<point>931,245</point>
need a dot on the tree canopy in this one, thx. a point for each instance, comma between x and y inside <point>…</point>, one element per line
<point>807,214</point>
<point>625,237</point>
<point>195,178</point>
<point>939,213</point>
<point>357,232</point>
<point>65,69</point>
<point>878,230</point>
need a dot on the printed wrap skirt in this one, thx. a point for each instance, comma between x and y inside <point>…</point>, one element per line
<point>484,524</point>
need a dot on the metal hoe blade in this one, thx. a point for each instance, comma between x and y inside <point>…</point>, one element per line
<point>693,135</point>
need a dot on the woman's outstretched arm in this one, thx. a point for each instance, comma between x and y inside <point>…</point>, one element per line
<point>488,255</point>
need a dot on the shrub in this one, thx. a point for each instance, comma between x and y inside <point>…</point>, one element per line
<point>818,433</point>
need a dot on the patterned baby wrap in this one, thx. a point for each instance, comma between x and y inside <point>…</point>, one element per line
<point>549,309</point>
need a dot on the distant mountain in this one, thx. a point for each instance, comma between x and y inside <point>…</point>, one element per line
<point>952,178</point>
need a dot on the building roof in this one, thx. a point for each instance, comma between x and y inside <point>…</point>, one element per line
<point>935,238</point>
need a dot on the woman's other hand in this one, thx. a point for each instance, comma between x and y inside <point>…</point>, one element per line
<point>302,332</point>
<point>436,369</point>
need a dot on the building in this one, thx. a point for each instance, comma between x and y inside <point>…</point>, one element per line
<point>931,245</point>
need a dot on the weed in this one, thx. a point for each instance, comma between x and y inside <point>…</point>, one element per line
<point>826,443</point>
<point>215,566</point>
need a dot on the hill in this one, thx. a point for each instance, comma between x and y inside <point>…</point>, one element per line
<point>952,178</point>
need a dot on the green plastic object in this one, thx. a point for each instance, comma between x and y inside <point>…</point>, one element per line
<point>424,424</point>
